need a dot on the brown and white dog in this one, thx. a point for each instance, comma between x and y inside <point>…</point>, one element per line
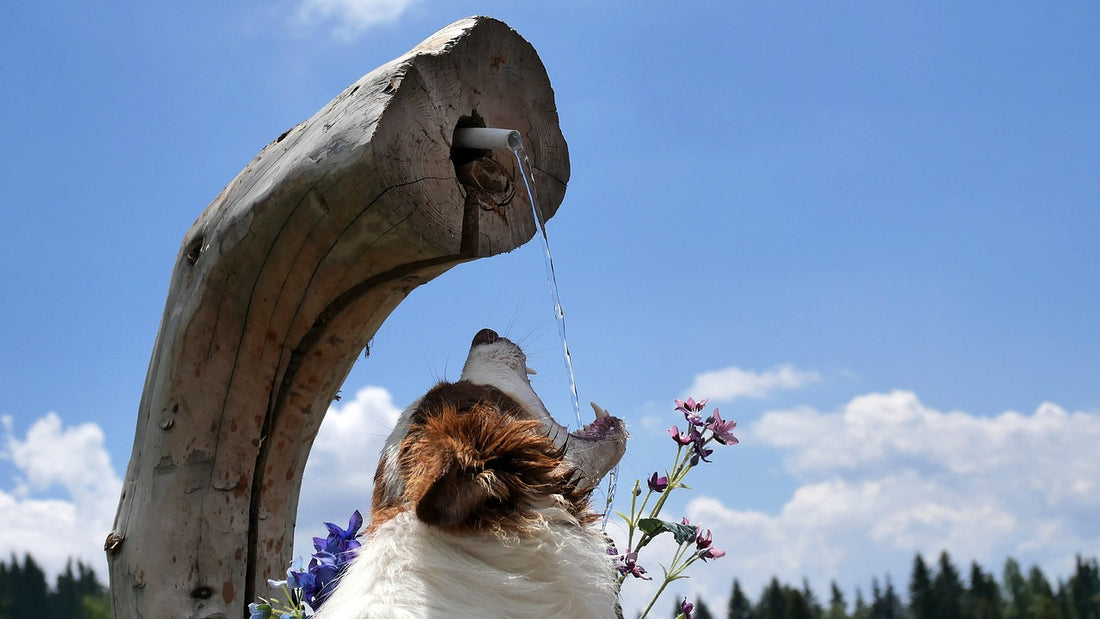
<point>480,505</point>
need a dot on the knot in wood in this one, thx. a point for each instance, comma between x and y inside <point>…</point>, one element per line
<point>488,183</point>
<point>113,543</point>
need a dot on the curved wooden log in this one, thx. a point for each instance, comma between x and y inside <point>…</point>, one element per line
<point>282,282</point>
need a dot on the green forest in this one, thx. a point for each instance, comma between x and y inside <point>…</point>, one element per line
<point>935,590</point>
<point>76,593</point>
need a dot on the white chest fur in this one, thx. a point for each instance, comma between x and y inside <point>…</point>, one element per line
<point>408,569</point>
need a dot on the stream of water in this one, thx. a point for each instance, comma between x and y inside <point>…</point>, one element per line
<point>527,171</point>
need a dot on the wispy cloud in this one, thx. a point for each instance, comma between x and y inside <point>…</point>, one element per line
<point>734,382</point>
<point>351,17</point>
<point>886,477</point>
<point>65,494</point>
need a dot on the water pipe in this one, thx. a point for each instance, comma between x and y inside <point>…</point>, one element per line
<point>487,138</point>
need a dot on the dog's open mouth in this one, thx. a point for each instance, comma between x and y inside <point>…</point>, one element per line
<point>591,451</point>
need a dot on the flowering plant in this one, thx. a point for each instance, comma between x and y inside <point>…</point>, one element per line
<point>306,587</point>
<point>693,543</point>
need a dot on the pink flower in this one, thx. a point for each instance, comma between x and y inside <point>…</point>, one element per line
<point>691,406</point>
<point>691,410</point>
<point>712,553</point>
<point>722,429</point>
<point>683,439</point>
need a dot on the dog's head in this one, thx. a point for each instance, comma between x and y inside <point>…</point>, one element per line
<point>484,454</point>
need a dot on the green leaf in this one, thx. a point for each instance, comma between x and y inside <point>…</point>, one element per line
<point>653,527</point>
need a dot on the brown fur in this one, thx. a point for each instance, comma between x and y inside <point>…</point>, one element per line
<point>474,460</point>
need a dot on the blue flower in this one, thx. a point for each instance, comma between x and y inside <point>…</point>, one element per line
<point>340,541</point>
<point>257,610</point>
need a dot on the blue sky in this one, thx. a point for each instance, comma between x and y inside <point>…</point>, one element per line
<point>894,206</point>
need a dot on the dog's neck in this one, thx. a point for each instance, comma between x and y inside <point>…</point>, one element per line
<point>503,365</point>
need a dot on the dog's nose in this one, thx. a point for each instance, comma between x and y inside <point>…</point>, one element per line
<point>485,336</point>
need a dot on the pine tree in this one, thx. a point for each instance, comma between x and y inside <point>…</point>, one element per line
<point>773,603</point>
<point>795,604</point>
<point>921,603</point>
<point>65,601</point>
<point>876,599</point>
<point>862,611</point>
<point>885,604</point>
<point>1017,596</point>
<point>947,590</point>
<point>1043,603</point>
<point>701,610</point>
<point>982,600</point>
<point>25,589</point>
<point>838,608</point>
<point>739,607</point>
<point>1084,590</point>
<point>816,611</point>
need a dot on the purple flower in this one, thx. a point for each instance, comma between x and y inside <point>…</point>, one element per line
<point>691,410</point>
<point>704,547</point>
<point>702,540</point>
<point>682,439</point>
<point>341,542</point>
<point>628,564</point>
<point>333,554</point>
<point>686,608</point>
<point>657,484</point>
<point>701,453</point>
<point>693,438</point>
<point>722,429</point>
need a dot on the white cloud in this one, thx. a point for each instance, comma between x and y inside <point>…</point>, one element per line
<point>733,382</point>
<point>56,460</point>
<point>65,492</point>
<point>886,477</point>
<point>339,475</point>
<point>351,17</point>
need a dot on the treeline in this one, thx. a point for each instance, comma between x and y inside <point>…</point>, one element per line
<point>77,593</point>
<point>935,591</point>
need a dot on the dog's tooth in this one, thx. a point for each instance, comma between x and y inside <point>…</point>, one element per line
<point>600,412</point>
<point>530,371</point>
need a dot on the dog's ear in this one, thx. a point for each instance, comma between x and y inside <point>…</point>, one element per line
<point>458,497</point>
<point>478,469</point>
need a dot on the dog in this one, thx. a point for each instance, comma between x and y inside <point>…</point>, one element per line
<point>480,505</point>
